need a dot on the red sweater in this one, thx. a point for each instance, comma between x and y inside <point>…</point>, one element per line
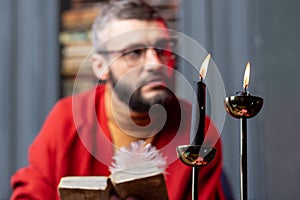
<point>75,140</point>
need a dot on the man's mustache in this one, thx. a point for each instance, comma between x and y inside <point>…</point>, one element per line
<point>154,77</point>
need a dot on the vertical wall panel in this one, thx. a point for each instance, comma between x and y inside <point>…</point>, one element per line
<point>279,72</point>
<point>6,97</point>
<point>29,78</point>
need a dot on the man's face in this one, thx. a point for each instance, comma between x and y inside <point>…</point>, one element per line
<point>140,74</point>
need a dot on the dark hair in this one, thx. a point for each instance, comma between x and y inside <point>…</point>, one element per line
<point>122,10</point>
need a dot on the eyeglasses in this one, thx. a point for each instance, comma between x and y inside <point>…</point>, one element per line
<point>135,55</point>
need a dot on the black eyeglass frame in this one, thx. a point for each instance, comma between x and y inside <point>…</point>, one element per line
<point>172,42</point>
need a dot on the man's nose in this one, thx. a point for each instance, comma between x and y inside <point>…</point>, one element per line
<point>152,60</point>
<point>152,56</point>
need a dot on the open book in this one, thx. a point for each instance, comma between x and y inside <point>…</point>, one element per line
<point>137,171</point>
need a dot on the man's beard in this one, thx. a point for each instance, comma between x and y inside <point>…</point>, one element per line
<point>133,96</point>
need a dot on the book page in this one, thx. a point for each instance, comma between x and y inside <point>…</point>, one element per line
<point>84,182</point>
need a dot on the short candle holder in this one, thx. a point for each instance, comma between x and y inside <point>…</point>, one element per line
<point>195,156</point>
<point>243,106</point>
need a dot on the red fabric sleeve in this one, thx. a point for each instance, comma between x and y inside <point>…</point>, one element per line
<point>58,150</point>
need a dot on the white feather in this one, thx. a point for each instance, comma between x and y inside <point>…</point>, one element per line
<point>138,155</point>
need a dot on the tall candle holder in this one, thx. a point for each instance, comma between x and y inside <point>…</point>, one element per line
<point>243,106</point>
<point>196,154</point>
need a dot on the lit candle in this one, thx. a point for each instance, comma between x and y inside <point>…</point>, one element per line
<point>246,77</point>
<point>198,118</point>
<point>245,81</point>
<point>243,106</point>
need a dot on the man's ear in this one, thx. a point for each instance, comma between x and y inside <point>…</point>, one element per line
<point>99,65</point>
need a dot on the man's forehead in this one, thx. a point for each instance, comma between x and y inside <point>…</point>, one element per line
<point>127,32</point>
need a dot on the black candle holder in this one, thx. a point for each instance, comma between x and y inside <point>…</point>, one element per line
<point>243,106</point>
<point>195,156</point>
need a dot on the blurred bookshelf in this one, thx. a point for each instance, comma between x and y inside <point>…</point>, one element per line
<point>76,21</point>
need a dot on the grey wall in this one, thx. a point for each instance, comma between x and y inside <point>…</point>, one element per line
<point>279,71</point>
<point>28,78</point>
<point>266,33</point>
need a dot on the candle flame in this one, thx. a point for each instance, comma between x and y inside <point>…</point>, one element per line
<point>246,76</point>
<point>204,66</point>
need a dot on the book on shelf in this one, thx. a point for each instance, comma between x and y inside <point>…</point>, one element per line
<point>76,66</point>
<point>84,3</point>
<point>76,62</point>
<point>80,18</point>
<point>80,37</point>
<point>135,173</point>
<point>77,50</point>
